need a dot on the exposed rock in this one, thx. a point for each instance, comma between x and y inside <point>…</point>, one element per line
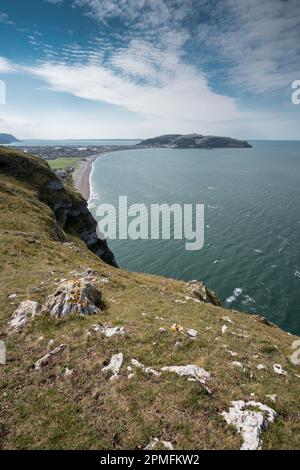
<point>260,367</point>
<point>279,370</point>
<point>2,353</point>
<point>13,296</point>
<point>147,370</point>
<point>191,370</point>
<point>55,185</point>
<point>114,366</point>
<point>191,332</point>
<point>264,321</point>
<point>228,319</point>
<point>239,365</point>
<point>110,331</point>
<point>68,372</point>
<point>26,311</point>
<point>295,357</point>
<point>224,329</point>
<point>74,297</point>
<point>249,423</point>
<point>198,290</point>
<point>45,359</point>
<point>157,444</point>
<point>272,397</point>
<point>177,327</point>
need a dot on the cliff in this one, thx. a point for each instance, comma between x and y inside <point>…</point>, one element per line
<point>94,357</point>
<point>69,208</point>
<point>194,141</point>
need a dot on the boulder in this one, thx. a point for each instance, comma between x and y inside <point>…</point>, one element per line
<point>198,290</point>
<point>249,422</point>
<point>45,359</point>
<point>27,310</point>
<point>74,296</point>
<point>2,353</point>
<point>114,365</point>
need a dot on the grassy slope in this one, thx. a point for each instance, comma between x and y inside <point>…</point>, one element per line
<point>62,163</point>
<point>48,410</point>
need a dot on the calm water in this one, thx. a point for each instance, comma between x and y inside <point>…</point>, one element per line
<point>74,142</point>
<point>252,217</point>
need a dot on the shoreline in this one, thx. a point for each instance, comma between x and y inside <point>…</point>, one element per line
<point>81,177</point>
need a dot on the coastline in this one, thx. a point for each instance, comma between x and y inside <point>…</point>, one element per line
<point>81,177</point>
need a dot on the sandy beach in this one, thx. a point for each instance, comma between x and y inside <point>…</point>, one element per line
<point>81,177</point>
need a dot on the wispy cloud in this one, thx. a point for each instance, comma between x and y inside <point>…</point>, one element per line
<point>4,18</point>
<point>142,79</point>
<point>6,66</point>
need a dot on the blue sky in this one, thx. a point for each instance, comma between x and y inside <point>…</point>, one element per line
<point>138,68</point>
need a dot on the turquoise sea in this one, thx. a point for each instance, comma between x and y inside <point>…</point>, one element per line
<point>252,220</point>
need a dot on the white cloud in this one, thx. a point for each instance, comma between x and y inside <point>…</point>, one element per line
<point>152,82</point>
<point>6,66</point>
<point>258,40</point>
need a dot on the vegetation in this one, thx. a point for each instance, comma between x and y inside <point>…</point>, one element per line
<point>62,163</point>
<point>48,410</point>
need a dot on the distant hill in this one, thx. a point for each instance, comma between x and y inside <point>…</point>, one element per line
<point>8,139</point>
<point>193,141</point>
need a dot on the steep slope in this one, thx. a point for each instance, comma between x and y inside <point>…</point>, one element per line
<point>67,400</point>
<point>69,208</point>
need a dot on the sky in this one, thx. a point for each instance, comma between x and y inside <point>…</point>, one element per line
<point>86,69</point>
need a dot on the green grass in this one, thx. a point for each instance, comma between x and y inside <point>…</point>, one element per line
<point>46,410</point>
<point>62,163</point>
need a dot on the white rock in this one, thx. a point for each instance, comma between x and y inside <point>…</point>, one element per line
<point>224,329</point>
<point>249,423</point>
<point>159,318</point>
<point>110,331</point>
<point>232,353</point>
<point>177,301</point>
<point>114,366</point>
<point>191,370</point>
<point>161,329</point>
<point>68,372</point>
<point>239,365</point>
<point>208,328</point>
<point>13,295</point>
<point>228,319</point>
<point>279,370</point>
<point>51,342</point>
<point>156,443</point>
<point>45,359</point>
<point>272,397</point>
<point>260,367</point>
<point>191,332</point>
<point>147,370</point>
<point>25,312</point>
<point>2,353</point>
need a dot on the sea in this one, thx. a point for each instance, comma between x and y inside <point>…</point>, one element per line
<point>251,203</point>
